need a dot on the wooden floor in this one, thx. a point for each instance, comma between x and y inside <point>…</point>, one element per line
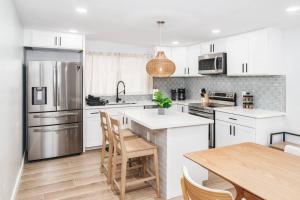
<point>78,177</point>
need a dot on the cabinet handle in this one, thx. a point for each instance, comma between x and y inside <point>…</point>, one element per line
<point>233,130</point>
<point>213,47</point>
<point>184,70</point>
<point>59,41</point>
<point>182,109</point>
<point>188,70</point>
<point>232,118</point>
<point>230,129</point>
<point>246,67</point>
<point>126,120</point>
<point>210,48</point>
<point>55,41</point>
<point>123,120</point>
<point>243,67</point>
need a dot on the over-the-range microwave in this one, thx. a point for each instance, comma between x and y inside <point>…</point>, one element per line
<point>212,64</point>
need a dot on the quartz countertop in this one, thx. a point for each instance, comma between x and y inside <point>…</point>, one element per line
<point>253,113</point>
<point>172,119</point>
<point>139,103</point>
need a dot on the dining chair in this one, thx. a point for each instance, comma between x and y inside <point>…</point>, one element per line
<point>292,150</point>
<point>194,191</point>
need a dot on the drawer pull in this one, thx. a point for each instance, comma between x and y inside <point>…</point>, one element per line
<point>95,113</point>
<point>232,118</point>
<point>55,130</point>
<point>55,116</point>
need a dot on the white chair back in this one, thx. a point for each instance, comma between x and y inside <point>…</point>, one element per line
<point>292,150</point>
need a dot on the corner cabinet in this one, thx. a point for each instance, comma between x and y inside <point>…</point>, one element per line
<point>53,40</point>
<point>234,129</point>
<point>255,53</point>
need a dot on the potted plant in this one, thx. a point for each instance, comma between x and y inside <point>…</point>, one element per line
<point>162,102</point>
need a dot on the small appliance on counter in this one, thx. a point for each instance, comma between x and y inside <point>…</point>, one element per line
<point>173,94</point>
<point>248,100</point>
<point>181,94</point>
<point>204,96</point>
<point>95,101</point>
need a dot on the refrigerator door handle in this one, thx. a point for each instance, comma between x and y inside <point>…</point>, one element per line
<point>54,85</point>
<point>58,82</point>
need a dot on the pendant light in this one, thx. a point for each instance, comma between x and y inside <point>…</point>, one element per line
<point>160,66</point>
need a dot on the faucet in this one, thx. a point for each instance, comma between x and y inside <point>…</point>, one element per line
<point>117,98</point>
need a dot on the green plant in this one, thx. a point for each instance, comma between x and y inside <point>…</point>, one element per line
<point>161,100</point>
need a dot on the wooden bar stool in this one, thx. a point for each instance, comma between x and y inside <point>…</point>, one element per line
<point>107,154</point>
<point>131,149</point>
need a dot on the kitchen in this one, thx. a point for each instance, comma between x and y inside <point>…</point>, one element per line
<point>222,84</point>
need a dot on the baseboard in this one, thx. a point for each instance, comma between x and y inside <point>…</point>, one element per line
<point>18,180</point>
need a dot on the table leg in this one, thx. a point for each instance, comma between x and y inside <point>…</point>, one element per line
<point>250,196</point>
<point>239,193</point>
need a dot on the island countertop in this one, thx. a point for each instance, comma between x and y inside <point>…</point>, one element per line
<point>172,119</point>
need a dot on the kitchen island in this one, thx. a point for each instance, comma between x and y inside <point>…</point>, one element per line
<point>174,133</point>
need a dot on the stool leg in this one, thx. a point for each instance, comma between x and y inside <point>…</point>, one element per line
<point>144,160</point>
<point>109,173</point>
<point>103,154</point>
<point>123,177</point>
<point>114,169</point>
<point>156,169</point>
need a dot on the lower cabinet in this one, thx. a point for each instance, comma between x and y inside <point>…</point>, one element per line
<point>182,108</point>
<point>228,134</point>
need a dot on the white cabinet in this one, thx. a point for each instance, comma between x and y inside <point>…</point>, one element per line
<point>235,129</point>
<point>192,54</point>
<point>179,58</point>
<point>182,108</point>
<point>48,39</point>
<point>215,46</point>
<point>93,130</point>
<point>255,53</point>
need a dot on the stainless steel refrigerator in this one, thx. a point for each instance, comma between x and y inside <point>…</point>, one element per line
<point>54,109</point>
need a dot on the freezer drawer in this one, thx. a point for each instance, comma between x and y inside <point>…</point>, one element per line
<point>53,118</point>
<point>53,141</point>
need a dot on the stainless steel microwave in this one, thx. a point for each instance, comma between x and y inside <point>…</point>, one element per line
<point>212,64</point>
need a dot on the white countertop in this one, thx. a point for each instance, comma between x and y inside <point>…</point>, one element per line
<point>253,113</point>
<point>139,103</point>
<point>172,119</point>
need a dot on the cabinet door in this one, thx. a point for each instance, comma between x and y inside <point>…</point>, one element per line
<point>242,134</point>
<point>205,48</point>
<point>93,130</point>
<point>193,52</point>
<point>179,58</point>
<point>70,41</point>
<point>258,47</point>
<point>45,39</point>
<point>220,46</point>
<point>237,54</point>
<point>223,134</point>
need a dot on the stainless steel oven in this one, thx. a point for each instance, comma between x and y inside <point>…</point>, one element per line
<point>212,64</point>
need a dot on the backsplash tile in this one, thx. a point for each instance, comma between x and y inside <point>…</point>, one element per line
<point>269,91</point>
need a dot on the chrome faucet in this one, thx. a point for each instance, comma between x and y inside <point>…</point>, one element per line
<point>117,98</point>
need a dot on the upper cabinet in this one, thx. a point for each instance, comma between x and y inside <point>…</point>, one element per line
<point>53,40</point>
<point>185,59</point>
<point>215,46</point>
<point>255,53</point>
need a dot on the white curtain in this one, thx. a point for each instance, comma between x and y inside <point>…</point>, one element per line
<point>104,70</point>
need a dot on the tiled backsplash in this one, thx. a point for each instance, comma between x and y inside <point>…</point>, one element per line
<point>269,91</point>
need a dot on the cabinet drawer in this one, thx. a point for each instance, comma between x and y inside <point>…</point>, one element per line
<point>236,119</point>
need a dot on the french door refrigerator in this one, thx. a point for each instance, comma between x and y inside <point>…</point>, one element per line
<point>54,109</point>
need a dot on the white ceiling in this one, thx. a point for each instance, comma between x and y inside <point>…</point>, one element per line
<point>134,21</point>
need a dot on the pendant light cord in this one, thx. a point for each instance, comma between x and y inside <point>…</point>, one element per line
<point>160,23</point>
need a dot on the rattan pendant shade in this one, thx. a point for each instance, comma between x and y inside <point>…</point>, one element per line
<point>160,66</point>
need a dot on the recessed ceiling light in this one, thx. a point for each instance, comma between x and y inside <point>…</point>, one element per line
<point>293,9</point>
<point>73,31</point>
<point>175,42</point>
<point>81,10</point>
<point>215,31</point>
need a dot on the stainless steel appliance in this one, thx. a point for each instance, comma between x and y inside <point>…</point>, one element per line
<point>206,110</point>
<point>212,64</point>
<point>54,109</point>
<point>181,93</point>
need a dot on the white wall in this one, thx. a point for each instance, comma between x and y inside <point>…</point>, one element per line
<point>110,47</point>
<point>292,66</point>
<point>11,39</point>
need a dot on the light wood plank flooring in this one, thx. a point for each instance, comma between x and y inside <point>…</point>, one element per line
<point>79,178</point>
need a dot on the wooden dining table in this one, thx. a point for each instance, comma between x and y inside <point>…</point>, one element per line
<point>257,172</point>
